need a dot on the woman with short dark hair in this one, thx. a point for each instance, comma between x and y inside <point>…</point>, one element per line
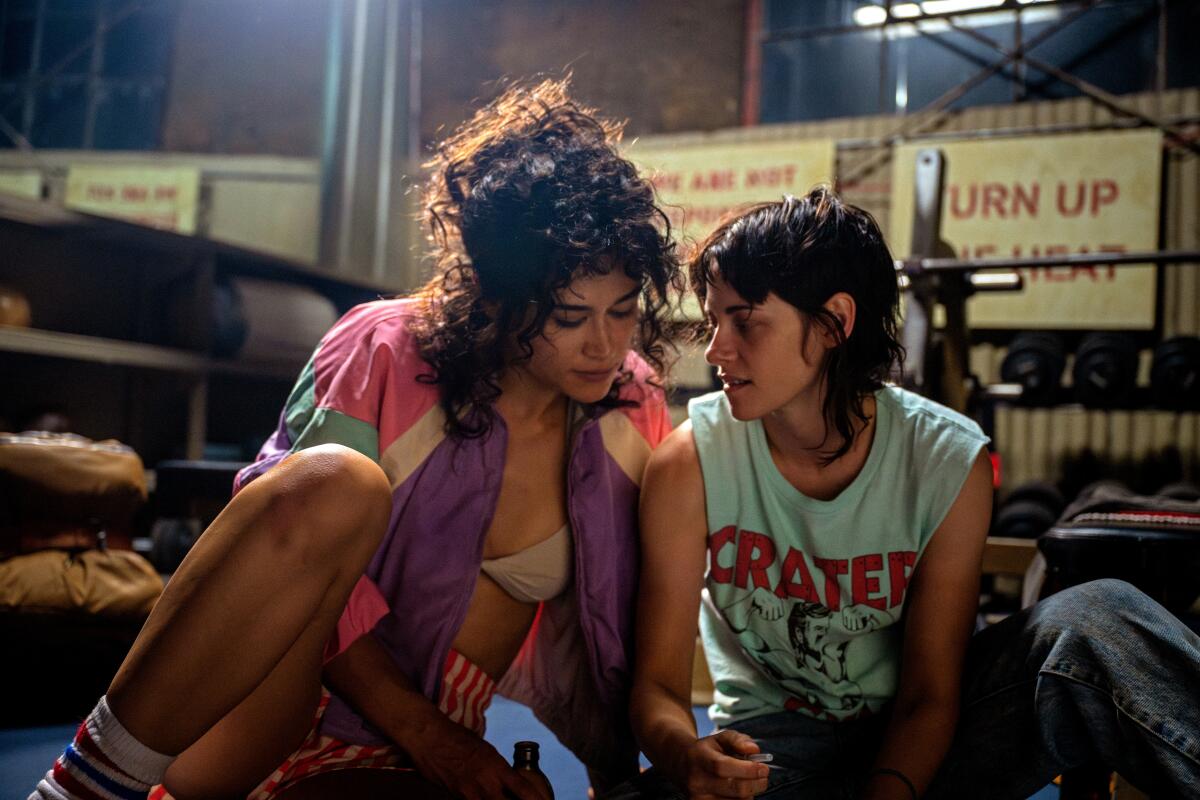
<point>830,528</point>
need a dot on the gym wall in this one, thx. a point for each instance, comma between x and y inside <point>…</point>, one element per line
<point>1037,441</point>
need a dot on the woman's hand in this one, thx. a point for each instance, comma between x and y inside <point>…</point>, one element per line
<point>452,756</point>
<point>444,752</point>
<point>711,767</point>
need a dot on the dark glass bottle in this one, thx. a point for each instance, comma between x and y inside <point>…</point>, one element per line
<point>525,758</point>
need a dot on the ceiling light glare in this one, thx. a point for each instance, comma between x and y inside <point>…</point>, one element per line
<point>955,6</point>
<point>870,15</point>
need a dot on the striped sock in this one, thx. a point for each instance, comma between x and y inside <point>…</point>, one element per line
<point>104,762</point>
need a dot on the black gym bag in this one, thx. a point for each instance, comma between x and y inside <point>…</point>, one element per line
<point>1151,541</point>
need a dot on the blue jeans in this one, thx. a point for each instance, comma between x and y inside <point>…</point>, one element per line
<point>1096,674</point>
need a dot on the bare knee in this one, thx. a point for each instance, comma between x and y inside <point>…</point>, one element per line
<point>325,501</point>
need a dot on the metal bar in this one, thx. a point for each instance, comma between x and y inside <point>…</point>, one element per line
<point>353,113</point>
<point>1109,40</point>
<point>1066,260</point>
<point>927,222</point>
<point>117,352</point>
<point>197,423</point>
<point>1019,65</point>
<point>998,281</point>
<point>936,107</point>
<point>992,133</point>
<point>99,350</point>
<point>95,66</point>
<point>415,41</point>
<point>792,34</point>
<point>51,73</point>
<point>752,63</point>
<point>35,56</point>
<point>881,101</point>
<point>1094,92</point>
<point>329,133</point>
<point>387,135</point>
<point>974,58</point>
<point>1160,55</point>
<point>14,135</point>
<point>3,26</point>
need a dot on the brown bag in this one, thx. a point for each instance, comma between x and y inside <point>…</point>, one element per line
<point>114,583</point>
<point>62,490</point>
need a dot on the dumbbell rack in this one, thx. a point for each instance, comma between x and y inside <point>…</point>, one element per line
<point>931,279</point>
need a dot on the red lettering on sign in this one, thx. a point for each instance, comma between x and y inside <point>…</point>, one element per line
<point>1104,192</point>
<point>714,180</point>
<point>667,181</point>
<point>957,209</point>
<point>1027,197</point>
<point>771,176</point>
<point>994,200</point>
<point>995,195</point>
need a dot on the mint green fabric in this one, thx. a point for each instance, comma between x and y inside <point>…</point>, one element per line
<point>802,596</point>
<point>308,425</point>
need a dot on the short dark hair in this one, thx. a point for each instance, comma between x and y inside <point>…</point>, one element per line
<point>525,197</point>
<point>805,250</point>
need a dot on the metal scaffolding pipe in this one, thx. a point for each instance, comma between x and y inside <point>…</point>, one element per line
<point>919,265</point>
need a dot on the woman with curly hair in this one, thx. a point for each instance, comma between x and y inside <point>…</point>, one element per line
<point>447,510</point>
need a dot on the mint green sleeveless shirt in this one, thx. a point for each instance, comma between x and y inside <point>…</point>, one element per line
<point>802,596</point>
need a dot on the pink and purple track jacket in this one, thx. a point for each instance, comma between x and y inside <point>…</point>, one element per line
<point>360,390</point>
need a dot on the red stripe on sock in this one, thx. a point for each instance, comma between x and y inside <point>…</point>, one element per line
<point>67,780</point>
<point>85,742</point>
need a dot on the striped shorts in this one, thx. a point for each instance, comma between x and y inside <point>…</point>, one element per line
<point>466,693</point>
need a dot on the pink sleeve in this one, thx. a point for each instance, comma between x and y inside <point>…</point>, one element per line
<point>651,416</point>
<point>364,609</point>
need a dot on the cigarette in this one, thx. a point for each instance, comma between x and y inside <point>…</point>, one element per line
<point>759,758</point>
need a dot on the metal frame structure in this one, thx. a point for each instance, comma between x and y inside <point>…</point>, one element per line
<point>106,19</point>
<point>915,123</point>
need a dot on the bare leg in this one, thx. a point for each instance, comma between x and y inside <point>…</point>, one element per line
<point>243,622</point>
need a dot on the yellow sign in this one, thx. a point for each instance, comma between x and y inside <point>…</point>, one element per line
<point>1048,195</point>
<point>700,183</point>
<point>163,197</point>
<point>21,182</point>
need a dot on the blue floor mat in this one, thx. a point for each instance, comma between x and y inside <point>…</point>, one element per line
<point>26,753</point>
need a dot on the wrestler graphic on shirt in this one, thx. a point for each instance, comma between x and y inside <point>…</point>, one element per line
<point>821,663</point>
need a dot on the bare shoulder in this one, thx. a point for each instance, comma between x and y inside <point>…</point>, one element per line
<point>673,503</point>
<point>957,544</point>
<point>675,459</point>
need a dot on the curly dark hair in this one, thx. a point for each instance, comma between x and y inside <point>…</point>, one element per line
<point>806,250</point>
<point>525,197</point>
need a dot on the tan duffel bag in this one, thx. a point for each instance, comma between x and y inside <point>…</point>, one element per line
<point>112,583</point>
<point>61,490</point>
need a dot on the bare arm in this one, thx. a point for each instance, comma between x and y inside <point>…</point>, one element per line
<point>443,751</point>
<point>943,599</point>
<point>674,542</point>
